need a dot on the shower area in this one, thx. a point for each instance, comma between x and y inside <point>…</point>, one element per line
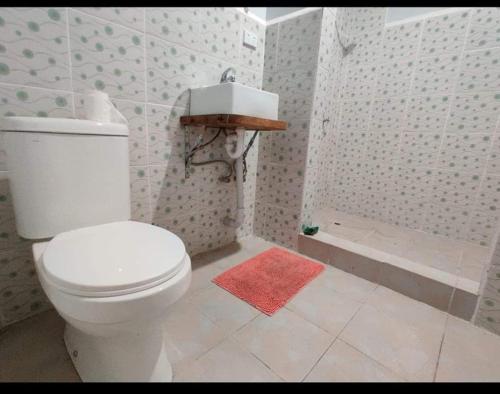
<point>392,149</point>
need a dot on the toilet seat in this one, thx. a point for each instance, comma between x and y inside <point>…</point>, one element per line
<point>112,259</point>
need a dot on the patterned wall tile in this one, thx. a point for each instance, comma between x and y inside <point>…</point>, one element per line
<point>271,49</point>
<point>482,227</point>
<point>371,205</point>
<point>474,112</point>
<point>107,57</point>
<point>165,135</point>
<point>220,32</point>
<point>139,194</point>
<point>127,16</point>
<point>381,146</point>
<point>364,19</point>
<point>412,183</point>
<point>282,225</point>
<point>287,184</point>
<point>447,220</point>
<point>375,177</point>
<point>295,89</point>
<point>298,41</point>
<point>394,78</point>
<point>401,42</point>
<point>34,47</point>
<point>444,34</point>
<point>329,56</point>
<point>455,188</point>
<point>488,199</point>
<point>290,146</point>
<point>359,81</point>
<point>350,145</point>
<point>405,212</point>
<point>419,149</point>
<point>26,101</point>
<point>355,115</point>
<point>253,57</point>
<point>367,48</point>
<point>172,70</point>
<point>436,74</point>
<point>388,114</point>
<point>171,194</point>
<point>484,28</point>
<point>493,165</point>
<point>427,113</point>
<point>479,71</point>
<point>465,152</point>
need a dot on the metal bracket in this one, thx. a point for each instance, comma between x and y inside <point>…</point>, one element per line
<point>187,148</point>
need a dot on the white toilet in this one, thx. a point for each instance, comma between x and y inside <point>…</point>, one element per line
<point>110,278</point>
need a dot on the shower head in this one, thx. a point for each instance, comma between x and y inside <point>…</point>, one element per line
<point>348,49</point>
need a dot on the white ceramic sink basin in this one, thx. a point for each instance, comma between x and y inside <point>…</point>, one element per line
<point>234,98</point>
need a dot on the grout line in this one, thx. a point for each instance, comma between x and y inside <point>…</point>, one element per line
<point>441,347</point>
<point>407,105</point>
<point>16,85</point>
<point>427,15</point>
<point>146,119</point>
<point>452,95</point>
<point>70,64</point>
<point>103,20</point>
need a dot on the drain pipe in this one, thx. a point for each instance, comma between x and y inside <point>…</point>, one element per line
<point>235,146</point>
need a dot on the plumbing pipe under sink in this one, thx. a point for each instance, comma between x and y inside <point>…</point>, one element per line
<point>235,146</point>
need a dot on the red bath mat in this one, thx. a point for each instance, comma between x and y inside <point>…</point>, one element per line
<point>268,280</point>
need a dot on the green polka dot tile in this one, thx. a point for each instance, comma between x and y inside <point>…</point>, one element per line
<point>34,47</point>
<point>106,57</point>
<point>485,28</point>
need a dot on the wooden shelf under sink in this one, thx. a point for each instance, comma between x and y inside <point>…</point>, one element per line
<point>230,121</point>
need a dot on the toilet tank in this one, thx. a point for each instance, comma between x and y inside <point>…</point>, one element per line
<point>66,173</point>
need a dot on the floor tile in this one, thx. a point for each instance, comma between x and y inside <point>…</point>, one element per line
<point>351,286</point>
<point>34,350</point>
<point>285,342</point>
<point>226,362</point>
<point>343,363</point>
<point>405,349</point>
<point>188,332</point>
<point>324,307</point>
<point>412,312</point>
<point>469,353</point>
<point>223,308</point>
<point>203,272</point>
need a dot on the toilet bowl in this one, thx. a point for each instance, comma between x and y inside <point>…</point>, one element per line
<point>112,284</point>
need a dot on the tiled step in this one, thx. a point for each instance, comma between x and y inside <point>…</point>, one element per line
<point>446,291</point>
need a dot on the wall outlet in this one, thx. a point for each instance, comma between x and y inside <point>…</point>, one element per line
<point>249,39</point>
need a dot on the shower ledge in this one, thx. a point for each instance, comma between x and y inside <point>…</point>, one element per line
<point>446,291</point>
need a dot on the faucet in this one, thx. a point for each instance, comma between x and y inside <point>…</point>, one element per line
<point>228,78</point>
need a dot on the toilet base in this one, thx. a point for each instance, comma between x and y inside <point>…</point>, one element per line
<point>139,356</point>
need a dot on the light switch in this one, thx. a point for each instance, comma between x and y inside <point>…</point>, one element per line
<point>249,39</point>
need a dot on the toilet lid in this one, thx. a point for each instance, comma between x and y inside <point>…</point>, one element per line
<point>114,258</point>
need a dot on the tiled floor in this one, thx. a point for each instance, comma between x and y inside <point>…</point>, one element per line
<point>463,259</point>
<point>338,328</point>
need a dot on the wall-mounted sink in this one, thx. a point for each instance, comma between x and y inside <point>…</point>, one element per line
<point>235,99</point>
